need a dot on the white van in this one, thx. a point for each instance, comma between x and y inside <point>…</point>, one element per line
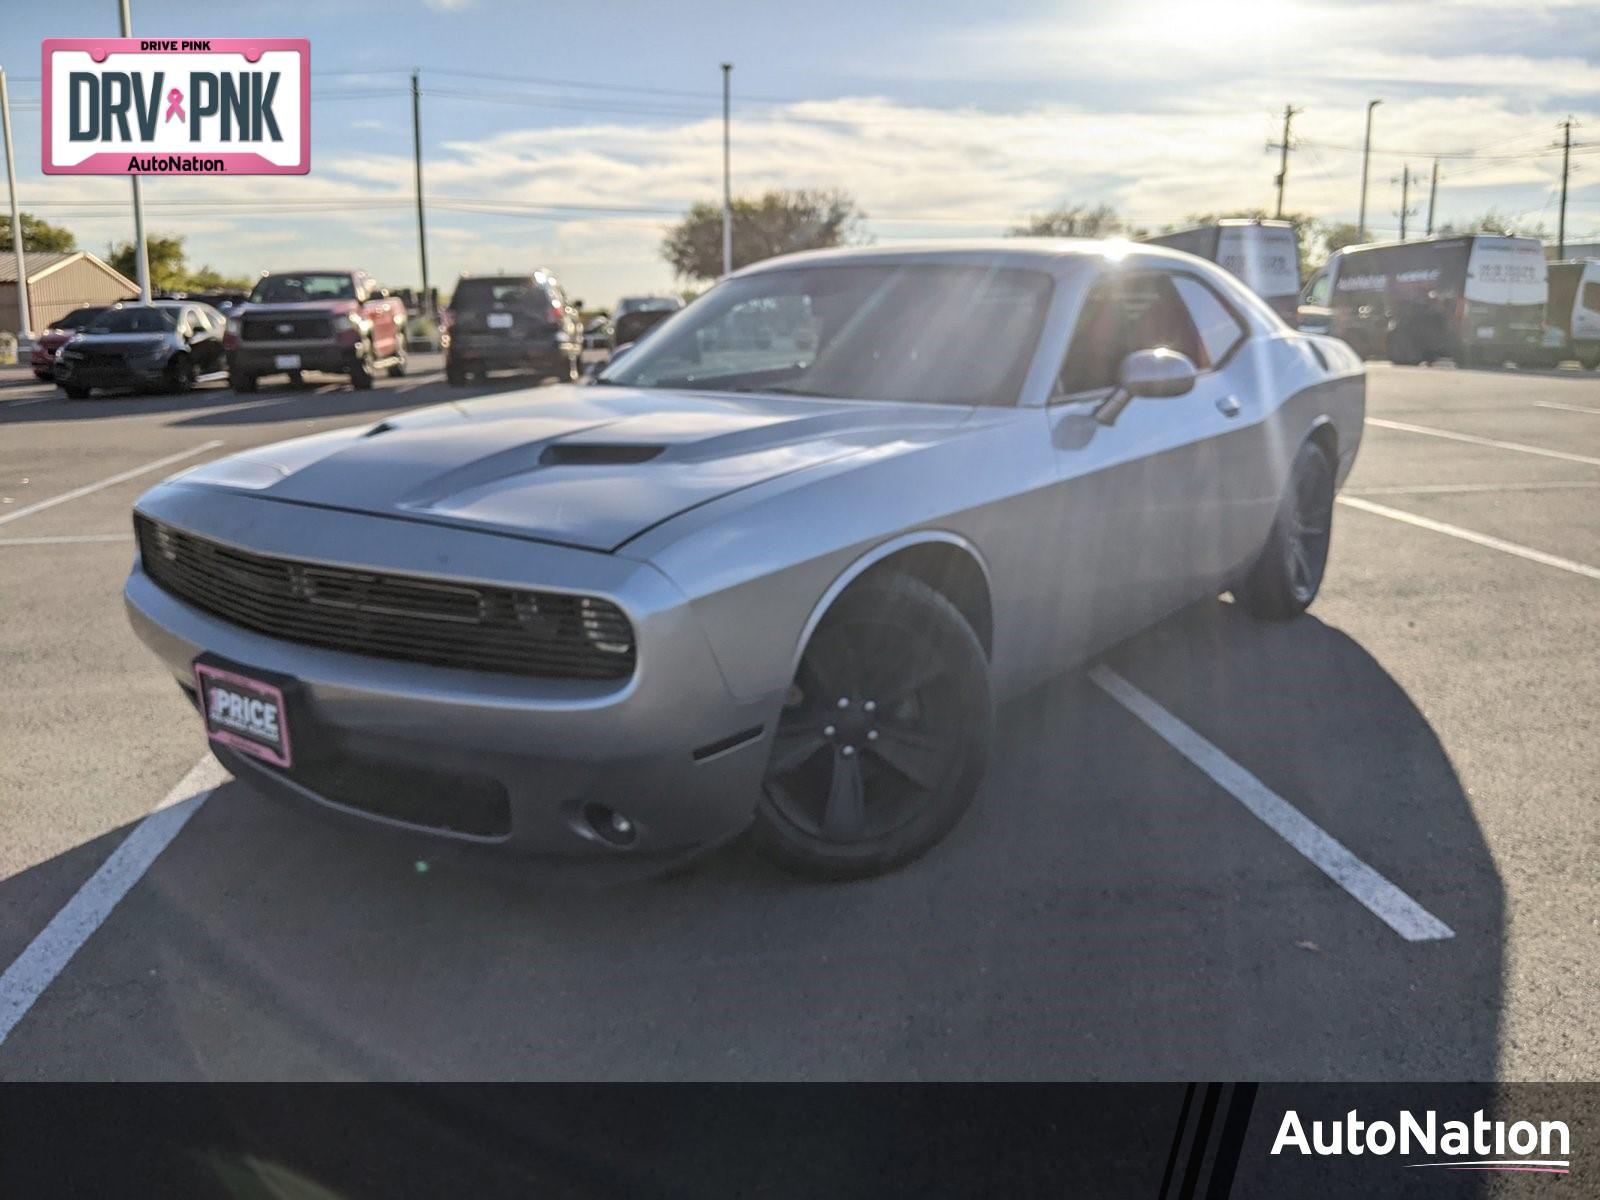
<point>1264,254</point>
<point>1572,313</point>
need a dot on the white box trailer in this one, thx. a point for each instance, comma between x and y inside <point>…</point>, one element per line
<point>1264,254</point>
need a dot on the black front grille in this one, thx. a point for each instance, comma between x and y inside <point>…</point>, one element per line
<point>286,329</point>
<point>469,804</point>
<point>466,625</point>
<point>100,358</point>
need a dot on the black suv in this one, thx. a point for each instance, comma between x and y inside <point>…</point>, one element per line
<point>522,322</point>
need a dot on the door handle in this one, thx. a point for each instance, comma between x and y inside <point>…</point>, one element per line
<point>1228,406</point>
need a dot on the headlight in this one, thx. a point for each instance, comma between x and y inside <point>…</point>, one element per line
<point>234,327</point>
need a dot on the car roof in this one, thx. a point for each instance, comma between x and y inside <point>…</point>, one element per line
<point>1056,255</point>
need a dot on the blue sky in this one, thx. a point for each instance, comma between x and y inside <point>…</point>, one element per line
<point>942,119</point>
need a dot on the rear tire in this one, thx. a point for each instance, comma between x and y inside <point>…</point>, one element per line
<point>455,374</point>
<point>241,383</point>
<point>860,787</point>
<point>74,392</point>
<point>1288,573</point>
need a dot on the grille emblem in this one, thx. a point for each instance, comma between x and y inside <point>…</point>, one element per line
<point>285,327</point>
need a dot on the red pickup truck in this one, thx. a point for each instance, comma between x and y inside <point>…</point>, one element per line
<point>336,321</point>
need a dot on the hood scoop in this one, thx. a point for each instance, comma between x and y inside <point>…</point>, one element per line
<point>597,454</point>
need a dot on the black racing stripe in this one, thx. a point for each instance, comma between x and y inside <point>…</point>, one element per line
<point>1177,1141</point>
<point>1201,1143</point>
<point>1237,1120</point>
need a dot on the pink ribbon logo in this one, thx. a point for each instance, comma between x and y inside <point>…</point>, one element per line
<point>175,105</point>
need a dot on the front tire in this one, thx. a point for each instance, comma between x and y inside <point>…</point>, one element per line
<point>179,375</point>
<point>361,370</point>
<point>1286,577</point>
<point>885,736</point>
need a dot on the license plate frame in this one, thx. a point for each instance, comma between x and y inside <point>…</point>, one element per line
<point>287,362</point>
<point>244,727</point>
<point>499,320</point>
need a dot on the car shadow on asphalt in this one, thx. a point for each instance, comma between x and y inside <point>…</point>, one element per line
<point>1104,911</point>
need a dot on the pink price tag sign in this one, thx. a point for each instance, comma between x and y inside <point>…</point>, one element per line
<point>177,106</point>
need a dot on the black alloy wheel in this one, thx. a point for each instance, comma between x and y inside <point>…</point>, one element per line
<point>883,736</point>
<point>1287,575</point>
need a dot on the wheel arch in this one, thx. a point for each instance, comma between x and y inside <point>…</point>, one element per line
<point>947,562</point>
<point>1325,437</point>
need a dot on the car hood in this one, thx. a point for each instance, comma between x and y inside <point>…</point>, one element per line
<point>127,342</point>
<point>582,466</point>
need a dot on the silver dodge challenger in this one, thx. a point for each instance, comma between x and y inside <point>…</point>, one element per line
<point>771,571</point>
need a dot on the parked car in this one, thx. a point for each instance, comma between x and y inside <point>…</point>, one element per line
<point>637,315</point>
<point>167,345</point>
<point>521,322</point>
<point>626,621</point>
<point>1264,254</point>
<point>337,321</point>
<point>42,358</point>
<point>1572,313</point>
<point>1476,300</point>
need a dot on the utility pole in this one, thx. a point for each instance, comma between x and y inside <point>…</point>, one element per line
<point>24,333</point>
<point>727,175</point>
<point>1282,148</point>
<point>416,157</point>
<point>1566,158</point>
<point>141,252</point>
<point>1405,196</point>
<point>1366,153</point>
<point>1433,194</point>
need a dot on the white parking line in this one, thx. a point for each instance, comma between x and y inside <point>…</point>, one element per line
<point>1385,901</point>
<point>1577,408</point>
<point>122,477</point>
<point>1477,539</point>
<point>48,954</point>
<point>29,400</point>
<point>1443,489</point>
<point>67,539</point>
<point>1475,440</point>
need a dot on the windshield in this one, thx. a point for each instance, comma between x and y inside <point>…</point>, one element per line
<point>76,320</point>
<point>132,320</point>
<point>507,293</point>
<point>293,289</point>
<point>892,331</point>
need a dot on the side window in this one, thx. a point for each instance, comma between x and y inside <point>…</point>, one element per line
<point>1219,330</point>
<point>1316,293</point>
<point>1591,296</point>
<point>1140,310</point>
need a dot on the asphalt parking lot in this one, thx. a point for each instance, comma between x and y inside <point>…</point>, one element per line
<point>1150,884</point>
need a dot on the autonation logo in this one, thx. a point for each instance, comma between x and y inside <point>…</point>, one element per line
<point>1478,1145</point>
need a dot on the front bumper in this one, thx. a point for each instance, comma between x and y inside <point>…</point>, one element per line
<point>130,374</point>
<point>256,358</point>
<point>670,748</point>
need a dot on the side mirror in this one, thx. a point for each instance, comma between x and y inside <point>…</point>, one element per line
<point>1149,374</point>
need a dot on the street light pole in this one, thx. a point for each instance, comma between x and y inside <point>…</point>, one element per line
<point>727,176</point>
<point>141,253</point>
<point>24,333</point>
<point>1366,152</point>
<point>416,155</point>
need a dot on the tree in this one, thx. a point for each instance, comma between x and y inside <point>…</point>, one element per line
<point>37,235</point>
<point>1076,220</point>
<point>170,270</point>
<point>777,222</point>
<point>1494,221</point>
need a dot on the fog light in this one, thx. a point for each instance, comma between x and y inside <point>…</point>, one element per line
<point>609,825</point>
